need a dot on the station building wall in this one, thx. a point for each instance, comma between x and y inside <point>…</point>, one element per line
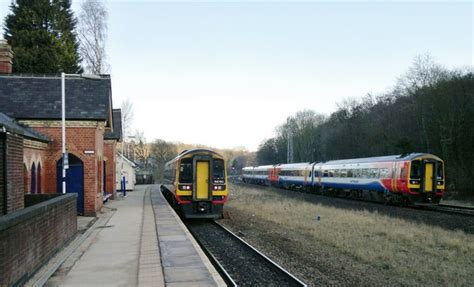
<point>84,139</point>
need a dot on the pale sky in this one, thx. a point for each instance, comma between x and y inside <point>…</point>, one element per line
<point>226,73</point>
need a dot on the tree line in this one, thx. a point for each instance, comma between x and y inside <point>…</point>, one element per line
<point>429,110</point>
<point>151,157</point>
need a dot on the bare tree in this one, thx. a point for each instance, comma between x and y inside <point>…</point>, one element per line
<point>423,72</point>
<point>127,117</point>
<point>161,152</point>
<point>141,149</point>
<point>92,32</point>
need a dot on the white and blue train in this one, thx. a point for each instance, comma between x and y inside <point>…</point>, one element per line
<point>415,177</point>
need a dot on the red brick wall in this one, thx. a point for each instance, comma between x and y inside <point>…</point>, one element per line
<point>3,169</point>
<point>78,140</point>
<point>29,237</point>
<point>15,191</point>
<point>110,147</point>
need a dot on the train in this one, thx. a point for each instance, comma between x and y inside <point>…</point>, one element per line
<point>415,178</point>
<point>195,182</point>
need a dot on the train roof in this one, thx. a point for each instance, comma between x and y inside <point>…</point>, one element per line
<point>291,165</point>
<point>402,157</point>
<point>191,151</point>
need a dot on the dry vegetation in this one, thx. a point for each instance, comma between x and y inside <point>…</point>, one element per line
<point>392,250</point>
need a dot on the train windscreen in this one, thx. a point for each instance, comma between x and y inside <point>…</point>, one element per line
<point>415,171</point>
<point>439,170</point>
<point>218,171</point>
<point>186,170</point>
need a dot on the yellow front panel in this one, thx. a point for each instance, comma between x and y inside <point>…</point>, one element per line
<point>202,180</point>
<point>428,177</point>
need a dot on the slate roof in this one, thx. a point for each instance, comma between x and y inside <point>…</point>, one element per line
<point>10,125</point>
<point>39,97</point>
<point>116,133</point>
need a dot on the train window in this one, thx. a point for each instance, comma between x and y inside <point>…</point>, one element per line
<point>349,173</point>
<point>218,169</point>
<point>331,173</point>
<point>364,173</point>
<point>374,173</point>
<point>403,173</point>
<point>439,170</point>
<point>186,170</point>
<point>356,172</point>
<point>343,173</point>
<point>384,173</point>
<point>415,171</point>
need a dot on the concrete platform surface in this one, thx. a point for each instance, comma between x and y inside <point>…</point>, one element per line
<point>141,243</point>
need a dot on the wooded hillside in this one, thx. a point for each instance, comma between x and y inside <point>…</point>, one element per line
<point>430,110</point>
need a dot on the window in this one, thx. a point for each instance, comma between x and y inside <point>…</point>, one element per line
<point>349,173</point>
<point>415,171</point>
<point>218,170</point>
<point>403,173</point>
<point>374,173</point>
<point>364,173</point>
<point>186,170</point>
<point>357,172</point>
<point>343,173</point>
<point>439,170</point>
<point>326,173</point>
<point>384,173</point>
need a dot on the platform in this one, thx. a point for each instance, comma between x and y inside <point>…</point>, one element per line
<point>138,241</point>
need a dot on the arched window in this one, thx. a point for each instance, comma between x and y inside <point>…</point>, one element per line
<point>39,178</point>
<point>33,178</point>
<point>25,178</point>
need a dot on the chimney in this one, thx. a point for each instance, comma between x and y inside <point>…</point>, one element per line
<point>6,57</point>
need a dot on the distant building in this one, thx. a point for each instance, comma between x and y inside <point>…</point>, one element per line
<point>125,168</point>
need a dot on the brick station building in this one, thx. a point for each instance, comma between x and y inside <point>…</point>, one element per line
<point>92,132</point>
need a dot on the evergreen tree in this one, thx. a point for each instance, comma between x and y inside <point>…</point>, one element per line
<point>41,33</point>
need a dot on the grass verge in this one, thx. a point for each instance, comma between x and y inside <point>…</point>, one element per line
<point>407,253</point>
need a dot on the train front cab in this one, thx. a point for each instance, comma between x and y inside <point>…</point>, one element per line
<point>202,187</point>
<point>426,182</point>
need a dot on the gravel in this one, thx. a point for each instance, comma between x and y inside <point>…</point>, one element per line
<point>246,267</point>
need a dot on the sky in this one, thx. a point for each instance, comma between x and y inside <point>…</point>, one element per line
<point>227,73</point>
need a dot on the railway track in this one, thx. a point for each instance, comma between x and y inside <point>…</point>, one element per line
<point>454,209</point>
<point>443,208</point>
<point>239,263</point>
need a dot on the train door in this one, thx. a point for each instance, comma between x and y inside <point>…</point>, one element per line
<point>202,180</point>
<point>428,176</point>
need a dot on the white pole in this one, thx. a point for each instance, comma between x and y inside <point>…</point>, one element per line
<point>63,125</point>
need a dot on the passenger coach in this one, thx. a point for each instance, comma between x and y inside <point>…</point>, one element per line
<point>196,183</point>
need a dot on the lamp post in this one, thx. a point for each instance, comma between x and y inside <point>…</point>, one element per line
<point>65,163</point>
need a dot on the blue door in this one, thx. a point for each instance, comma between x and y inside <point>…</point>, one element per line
<point>74,180</point>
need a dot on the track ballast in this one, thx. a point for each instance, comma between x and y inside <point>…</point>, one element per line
<point>241,262</point>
